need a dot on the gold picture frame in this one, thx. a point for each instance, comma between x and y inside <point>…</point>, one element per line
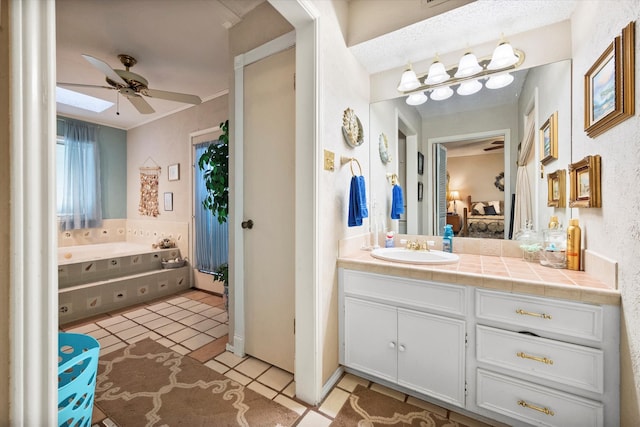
<point>557,194</point>
<point>549,139</point>
<point>609,85</point>
<point>585,189</point>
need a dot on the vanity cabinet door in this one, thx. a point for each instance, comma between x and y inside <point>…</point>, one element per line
<point>431,355</point>
<point>370,338</point>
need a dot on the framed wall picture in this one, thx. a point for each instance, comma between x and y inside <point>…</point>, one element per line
<point>556,182</point>
<point>168,201</point>
<point>174,172</point>
<point>549,139</point>
<point>584,178</point>
<point>420,191</point>
<point>420,163</point>
<point>609,85</point>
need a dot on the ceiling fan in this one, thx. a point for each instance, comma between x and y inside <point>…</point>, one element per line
<point>132,85</point>
<point>495,145</point>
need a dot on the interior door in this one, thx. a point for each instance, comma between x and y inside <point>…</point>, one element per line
<point>269,156</point>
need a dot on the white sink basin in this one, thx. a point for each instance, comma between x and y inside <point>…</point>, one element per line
<point>414,257</point>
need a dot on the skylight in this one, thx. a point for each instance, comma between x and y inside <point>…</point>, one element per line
<point>80,100</point>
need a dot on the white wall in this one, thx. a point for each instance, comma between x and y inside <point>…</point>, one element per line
<point>166,141</point>
<point>553,85</point>
<point>614,229</point>
<point>343,84</point>
<point>384,119</point>
<point>475,176</point>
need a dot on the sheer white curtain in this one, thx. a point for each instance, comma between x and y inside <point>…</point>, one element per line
<point>81,201</point>
<point>522,213</point>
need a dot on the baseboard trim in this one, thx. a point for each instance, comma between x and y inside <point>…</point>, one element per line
<point>331,382</point>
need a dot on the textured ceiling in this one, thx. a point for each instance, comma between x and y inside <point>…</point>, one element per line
<point>478,22</point>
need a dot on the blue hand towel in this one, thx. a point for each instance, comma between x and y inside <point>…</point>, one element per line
<point>357,202</point>
<point>397,202</point>
<point>362,192</point>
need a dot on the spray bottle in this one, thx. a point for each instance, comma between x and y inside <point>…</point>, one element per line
<point>447,239</point>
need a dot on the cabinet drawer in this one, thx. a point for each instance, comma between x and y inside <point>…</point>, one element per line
<point>535,404</point>
<point>442,297</point>
<point>565,364</point>
<point>541,314</point>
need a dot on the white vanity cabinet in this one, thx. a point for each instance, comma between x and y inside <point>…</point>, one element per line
<point>409,342</point>
<point>546,361</point>
<point>523,360</point>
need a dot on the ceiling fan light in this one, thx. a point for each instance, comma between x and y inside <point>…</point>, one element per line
<point>441,93</point>
<point>408,81</point>
<point>468,66</point>
<point>469,88</point>
<point>417,99</point>
<point>437,74</point>
<point>500,81</point>
<point>503,56</point>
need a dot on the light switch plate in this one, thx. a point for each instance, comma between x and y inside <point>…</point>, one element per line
<point>329,160</point>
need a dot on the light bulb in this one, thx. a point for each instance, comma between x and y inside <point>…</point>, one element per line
<point>503,56</point>
<point>408,81</point>
<point>441,93</point>
<point>500,81</point>
<point>469,88</point>
<point>437,74</point>
<point>416,99</point>
<point>468,66</point>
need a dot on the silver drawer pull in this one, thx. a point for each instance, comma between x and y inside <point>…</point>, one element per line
<point>536,358</point>
<point>528,313</point>
<point>536,408</point>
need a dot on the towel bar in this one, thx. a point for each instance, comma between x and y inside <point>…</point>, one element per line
<point>344,160</point>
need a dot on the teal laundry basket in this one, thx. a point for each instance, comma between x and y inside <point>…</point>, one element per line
<point>77,370</point>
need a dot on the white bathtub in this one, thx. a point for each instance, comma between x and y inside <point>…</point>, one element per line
<point>75,254</point>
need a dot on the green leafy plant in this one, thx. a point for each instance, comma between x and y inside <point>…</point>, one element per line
<point>215,162</point>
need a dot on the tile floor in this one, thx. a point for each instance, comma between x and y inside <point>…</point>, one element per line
<point>195,324</point>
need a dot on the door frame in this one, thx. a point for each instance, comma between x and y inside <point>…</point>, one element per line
<point>431,171</point>
<point>308,362</point>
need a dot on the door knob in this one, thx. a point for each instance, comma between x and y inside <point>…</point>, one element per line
<point>247,224</point>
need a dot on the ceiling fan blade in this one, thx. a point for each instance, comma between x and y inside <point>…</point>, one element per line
<point>171,96</point>
<point>105,69</point>
<point>499,147</point>
<point>141,105</point>
<point>83,85</point>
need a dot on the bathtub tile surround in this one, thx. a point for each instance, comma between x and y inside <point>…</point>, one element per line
<point>112,230</point>
<point>113,331</point>
<point>148,232</point>
<point>92,286</point>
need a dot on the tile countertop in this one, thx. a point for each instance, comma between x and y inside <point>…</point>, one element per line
<point>508,274</point>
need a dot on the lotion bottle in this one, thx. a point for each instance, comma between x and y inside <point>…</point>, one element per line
<point>573,245</point>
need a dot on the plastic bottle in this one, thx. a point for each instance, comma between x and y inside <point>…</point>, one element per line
<point>447,239</point>
<point>388,241</point>
<point>574,235</point>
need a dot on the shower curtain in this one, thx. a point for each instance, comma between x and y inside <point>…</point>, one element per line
<point>212,238</point>
<point>522,214</point>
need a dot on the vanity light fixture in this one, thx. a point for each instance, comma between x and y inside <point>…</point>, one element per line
<point>468,75</point>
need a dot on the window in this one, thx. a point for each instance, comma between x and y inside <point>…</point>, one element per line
<point>78,197</point>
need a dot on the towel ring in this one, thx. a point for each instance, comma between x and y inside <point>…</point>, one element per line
<point>344,160</point>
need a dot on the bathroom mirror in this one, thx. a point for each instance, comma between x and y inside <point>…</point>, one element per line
<point>471,145</point>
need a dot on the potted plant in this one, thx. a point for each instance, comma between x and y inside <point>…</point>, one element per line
<point>215,162</point>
